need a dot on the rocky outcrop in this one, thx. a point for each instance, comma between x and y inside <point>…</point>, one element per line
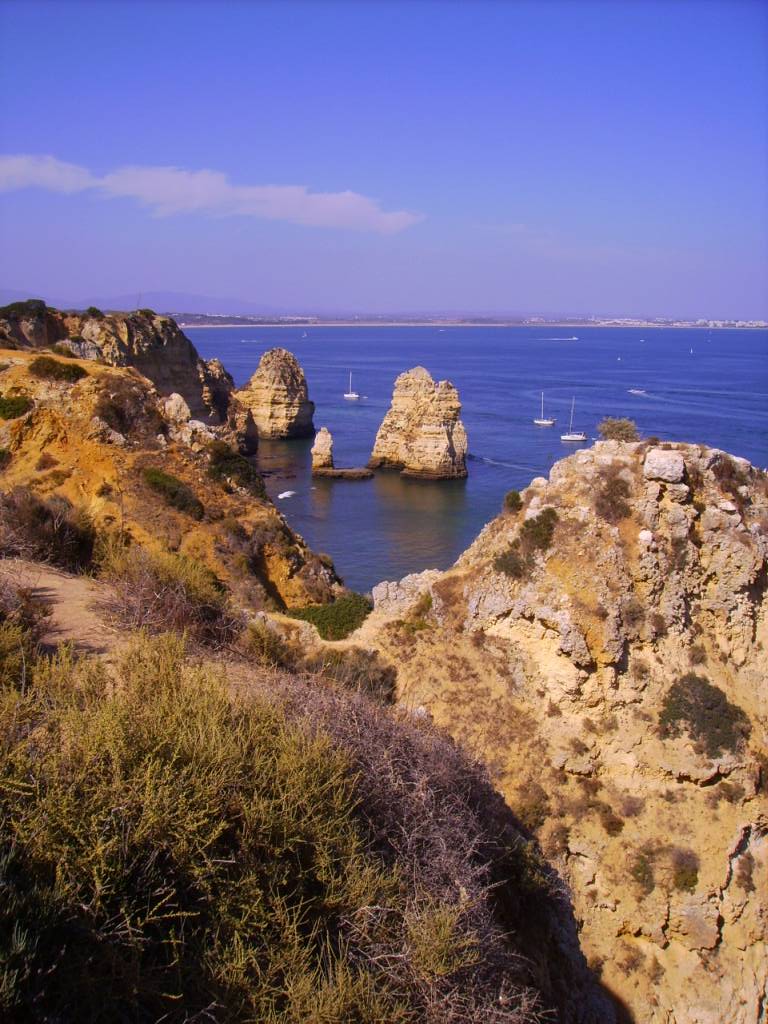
<point>153,344</point>
<point>322,460</point>
<point>421,434</point>
<point>322,450</point>
<point>277,397</point>
<point>89,443</point>
<point>603,651</point>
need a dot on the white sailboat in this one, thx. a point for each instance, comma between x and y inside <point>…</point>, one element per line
<point>351,395</point>
<point>572,435</point>
<point>543,421</point>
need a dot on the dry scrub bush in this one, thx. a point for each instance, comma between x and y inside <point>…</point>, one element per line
<point>162,591</point>
<point>45,531</point>
<point>169,853</point>
<point>48,368</point>
<point>611,500</point>
<point>22,622</point>
<point>125,405</point>
<point>354,669</point>
<point>618,429</point>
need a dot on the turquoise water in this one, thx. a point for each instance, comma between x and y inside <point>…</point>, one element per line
<point>716,394</point>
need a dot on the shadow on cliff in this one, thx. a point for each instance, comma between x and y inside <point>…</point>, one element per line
<point>534,904</point>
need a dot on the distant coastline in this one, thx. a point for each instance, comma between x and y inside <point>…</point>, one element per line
<point>445,325</point>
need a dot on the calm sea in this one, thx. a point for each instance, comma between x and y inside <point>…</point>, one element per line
<point>700,386</point>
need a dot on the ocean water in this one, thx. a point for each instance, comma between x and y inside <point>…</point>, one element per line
<point>701,386</point>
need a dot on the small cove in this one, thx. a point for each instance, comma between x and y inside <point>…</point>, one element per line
<point>387,527</point>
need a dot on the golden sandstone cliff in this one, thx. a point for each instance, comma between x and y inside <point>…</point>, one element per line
<point>421,434</point>
<point>602,648</point>
<point>110,445</point>
<point>153,344</point>
<point>277,397</point>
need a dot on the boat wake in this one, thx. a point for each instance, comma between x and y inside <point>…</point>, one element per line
<point>574,338</point>
<point>497,462</point>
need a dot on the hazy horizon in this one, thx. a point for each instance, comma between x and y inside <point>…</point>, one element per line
<point>490,158</point>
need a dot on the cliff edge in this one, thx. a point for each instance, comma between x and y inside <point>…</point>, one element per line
<point>601,646</point>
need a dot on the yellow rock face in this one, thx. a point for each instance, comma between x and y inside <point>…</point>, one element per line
<point>277,397</point>
<point>615,685</point>
<point>421,434</point>
<point>89,443</point>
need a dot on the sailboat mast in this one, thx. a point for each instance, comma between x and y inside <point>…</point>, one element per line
<point>573,403</point>
<point>542,405</point>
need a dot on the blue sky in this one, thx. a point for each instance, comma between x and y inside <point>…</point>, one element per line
<point>490,157</point>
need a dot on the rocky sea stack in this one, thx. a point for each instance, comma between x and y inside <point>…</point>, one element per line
<point>322,460</point>
<point>278,398</point>
<point>421,434</point>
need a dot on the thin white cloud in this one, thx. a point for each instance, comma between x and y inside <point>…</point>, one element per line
<point>171,190</point>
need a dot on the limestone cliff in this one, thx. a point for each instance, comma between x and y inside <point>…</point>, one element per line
<point>277,397</point>
<point>153,344</point>
<point>91,443</point>
<point>601,646</point>
<point>421,434</point>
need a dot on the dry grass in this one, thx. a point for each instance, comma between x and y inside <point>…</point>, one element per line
<point>167,852</point>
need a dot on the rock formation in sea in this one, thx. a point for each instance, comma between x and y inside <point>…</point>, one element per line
<point>322,460</point>
<point>322,450</point>
<point>602,649</point>
<point>421,434</point>
<point>153,344</point>
<point>277,397</point>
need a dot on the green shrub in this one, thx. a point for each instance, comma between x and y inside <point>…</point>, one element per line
<point>95,312</point>
<point>51,369</point>
<point>611,429</point>
<point>641,870</point>
<point>27,309</point>
<point>536,535</point>
<point>5,457</point>
<point>694,705</point>
<point>46,531</point>
<point>146,312</point>
<point>685,869</point>
<point>227,465</point>
<point>512,563</point>
<point>440,946</point>
<point>176,493</point>
<point>336,621</point>
<point>13,406</point>
<point>512,501</point>
<point>64,350</point>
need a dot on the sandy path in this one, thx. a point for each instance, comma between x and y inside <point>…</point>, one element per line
<point>73,601</point>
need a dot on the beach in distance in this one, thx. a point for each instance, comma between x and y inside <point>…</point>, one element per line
<point>704,386</point>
